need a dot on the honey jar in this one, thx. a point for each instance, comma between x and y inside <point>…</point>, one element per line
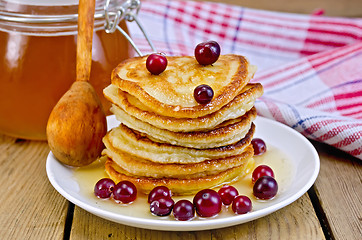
<point>37,60</point>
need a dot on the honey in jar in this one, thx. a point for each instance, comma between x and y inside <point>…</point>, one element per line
<point>38,61</point>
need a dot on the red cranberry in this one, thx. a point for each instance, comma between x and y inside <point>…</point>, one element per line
<point>265,187</point>
<point>227,194</point>
<point>156,63</point>
<point>207,53</point>
<point>125,192</point>
<point>207,203</point>
<point>203,94</point>
<point>259,146</point>
<point>184,210</point>
<point>241,205</point>
<point>262,170</point>
<point>159,192</point>
<point>162,206</point>
<point>104,188</point>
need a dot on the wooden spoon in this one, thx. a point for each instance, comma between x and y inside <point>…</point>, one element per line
<point>77,123</point>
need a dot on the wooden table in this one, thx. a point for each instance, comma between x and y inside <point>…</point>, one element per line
<point>32,209</point>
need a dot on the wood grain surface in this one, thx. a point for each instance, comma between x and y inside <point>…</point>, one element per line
<point>339,190</point>
<point>278,225</point>
<point>30,207</point>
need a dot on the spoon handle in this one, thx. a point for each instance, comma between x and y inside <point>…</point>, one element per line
<point>86,11</point>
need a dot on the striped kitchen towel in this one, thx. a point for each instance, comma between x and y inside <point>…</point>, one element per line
<point>310,66</point>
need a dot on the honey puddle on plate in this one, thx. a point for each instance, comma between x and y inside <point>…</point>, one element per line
<point>87,177</point>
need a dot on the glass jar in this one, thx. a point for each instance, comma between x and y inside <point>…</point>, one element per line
<point>37,60</point>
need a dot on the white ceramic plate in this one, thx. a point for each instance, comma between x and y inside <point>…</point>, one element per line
<point>302,158</point>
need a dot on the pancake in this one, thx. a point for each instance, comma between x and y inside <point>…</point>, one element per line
<point>171,92</point>
<point>166,138</point>
<point>234,109</point>
<point>179,186</point>
<point>226,133</point>
<point>139,145</point>
<point>145,168</point>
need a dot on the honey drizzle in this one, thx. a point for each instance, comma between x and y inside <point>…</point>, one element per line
<point>275,158</point>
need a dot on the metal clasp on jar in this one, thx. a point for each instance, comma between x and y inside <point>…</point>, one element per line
<point>128,10</point>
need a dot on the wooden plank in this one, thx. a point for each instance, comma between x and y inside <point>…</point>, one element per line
<point>30,207</point>
<point>347,8</point>
<point>296,221</point>
<point>338,188</point>
<point>89,226</point>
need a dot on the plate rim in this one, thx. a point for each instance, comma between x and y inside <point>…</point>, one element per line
<point>204,224</point>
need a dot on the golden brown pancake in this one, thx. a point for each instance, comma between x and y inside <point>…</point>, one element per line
<point>145,168</point>
<point>226,133</point>
<point>166,138</point>
<point>139,145</point>
<point>179,186</point>
<point>234,109</point>
<point>171,92</point>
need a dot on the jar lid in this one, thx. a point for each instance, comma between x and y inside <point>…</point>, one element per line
<point>44,17</point>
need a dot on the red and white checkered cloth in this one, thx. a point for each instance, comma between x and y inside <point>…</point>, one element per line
<point>310,66</point>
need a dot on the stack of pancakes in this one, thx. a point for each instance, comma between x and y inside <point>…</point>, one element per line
<point>166,138</point>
